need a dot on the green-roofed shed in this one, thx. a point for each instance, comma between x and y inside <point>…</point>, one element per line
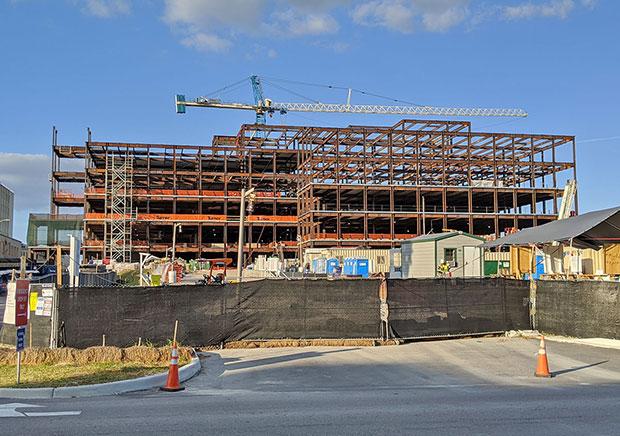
<point>422,256</point>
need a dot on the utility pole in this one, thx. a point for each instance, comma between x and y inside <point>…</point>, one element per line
<point>58,266</point>
<point>174,240</point>
<point>244,194</point>
<point>423,217</point>
<point>22,267</point>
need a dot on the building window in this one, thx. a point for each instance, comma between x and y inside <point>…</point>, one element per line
<point>449,256</point>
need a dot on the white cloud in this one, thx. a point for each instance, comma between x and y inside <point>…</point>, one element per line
<point>206,42</point>
<point>407,15</point>
<point>217,25</point>
<point>106,8</point>
<point>213,25</point>
<point>441,15</point>
<point>209,14</point>
<point>393,14</point>
<point>294,23</point>
<point>553,8</point>
<point>20,173</point>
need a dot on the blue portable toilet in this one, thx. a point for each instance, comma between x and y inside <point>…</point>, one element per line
<point>540,267</point>
<point>332,266</point>
<point>348,267</point>
<point>362,268</point>
<point>356,267</point>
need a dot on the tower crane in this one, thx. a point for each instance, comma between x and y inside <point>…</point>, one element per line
<point>263,106</point>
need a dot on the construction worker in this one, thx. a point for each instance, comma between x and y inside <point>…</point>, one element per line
<point>444,268</point>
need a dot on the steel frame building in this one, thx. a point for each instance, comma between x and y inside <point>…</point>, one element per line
<point>369,186</point>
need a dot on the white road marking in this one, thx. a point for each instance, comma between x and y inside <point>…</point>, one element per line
<point>9,411</point>
<point>67,413</point>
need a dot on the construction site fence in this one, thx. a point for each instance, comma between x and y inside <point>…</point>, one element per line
<point>86,279</point>
<point>297,309</point>
<point>210,315</point>
<point>324,309</point>
<point>583,309</point>
<point>444,307</point>
<point>38,331</point>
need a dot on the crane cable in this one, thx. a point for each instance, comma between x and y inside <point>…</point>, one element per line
<point>361,91</point>
<point>228,87</point>
<point>290,91</point>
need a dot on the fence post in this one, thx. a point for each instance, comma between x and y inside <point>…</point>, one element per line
<point>503,282</point>
<point>445,291</point>
<point>533,290</point>
<point>384,312</point>
<point>54,318</point>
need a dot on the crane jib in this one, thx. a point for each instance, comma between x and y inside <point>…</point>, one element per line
<point>272,107</point>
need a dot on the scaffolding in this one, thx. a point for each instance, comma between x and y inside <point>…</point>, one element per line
<point>118,205</point>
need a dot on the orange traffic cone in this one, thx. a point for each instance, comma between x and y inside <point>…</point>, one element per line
<point>172,384</point>
<point>542,368</point>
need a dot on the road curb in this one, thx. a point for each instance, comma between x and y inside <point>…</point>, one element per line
<point>102,389</point>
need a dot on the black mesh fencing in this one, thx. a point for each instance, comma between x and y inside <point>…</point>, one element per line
<point>312,309</point>
<point>584,309</point>
<point>209,315</point>
<point>437,307</point>
<point>37,332</point>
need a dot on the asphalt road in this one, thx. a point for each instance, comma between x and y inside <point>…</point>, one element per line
<point>482,386</point>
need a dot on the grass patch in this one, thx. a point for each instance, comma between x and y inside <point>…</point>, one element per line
<point>44,367</point>
<point>57,375</point>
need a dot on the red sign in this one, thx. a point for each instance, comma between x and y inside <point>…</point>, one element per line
<point>21,302</point>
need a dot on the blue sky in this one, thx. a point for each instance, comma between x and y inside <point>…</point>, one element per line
<point>114,66</point>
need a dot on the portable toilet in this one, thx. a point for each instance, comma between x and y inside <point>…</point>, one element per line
<point>319,265</point>
<point>347,267</point>
<point>356,267</point>
<point>540,267</point>
<point>332,266</point>
<point>362,268</point>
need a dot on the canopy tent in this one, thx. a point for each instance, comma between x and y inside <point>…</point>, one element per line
<point>590,230</point>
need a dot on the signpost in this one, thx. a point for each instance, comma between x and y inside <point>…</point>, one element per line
<point>21,339</point>
<point>19,347</point>
<point>22,303</point>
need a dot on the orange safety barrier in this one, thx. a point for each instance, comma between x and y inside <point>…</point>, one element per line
<point>68,195</point>
<point>272,218</point>
<point>185,193</point>
<point>92,243</point>
<point>195,218</point>
<point>371,236</point>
